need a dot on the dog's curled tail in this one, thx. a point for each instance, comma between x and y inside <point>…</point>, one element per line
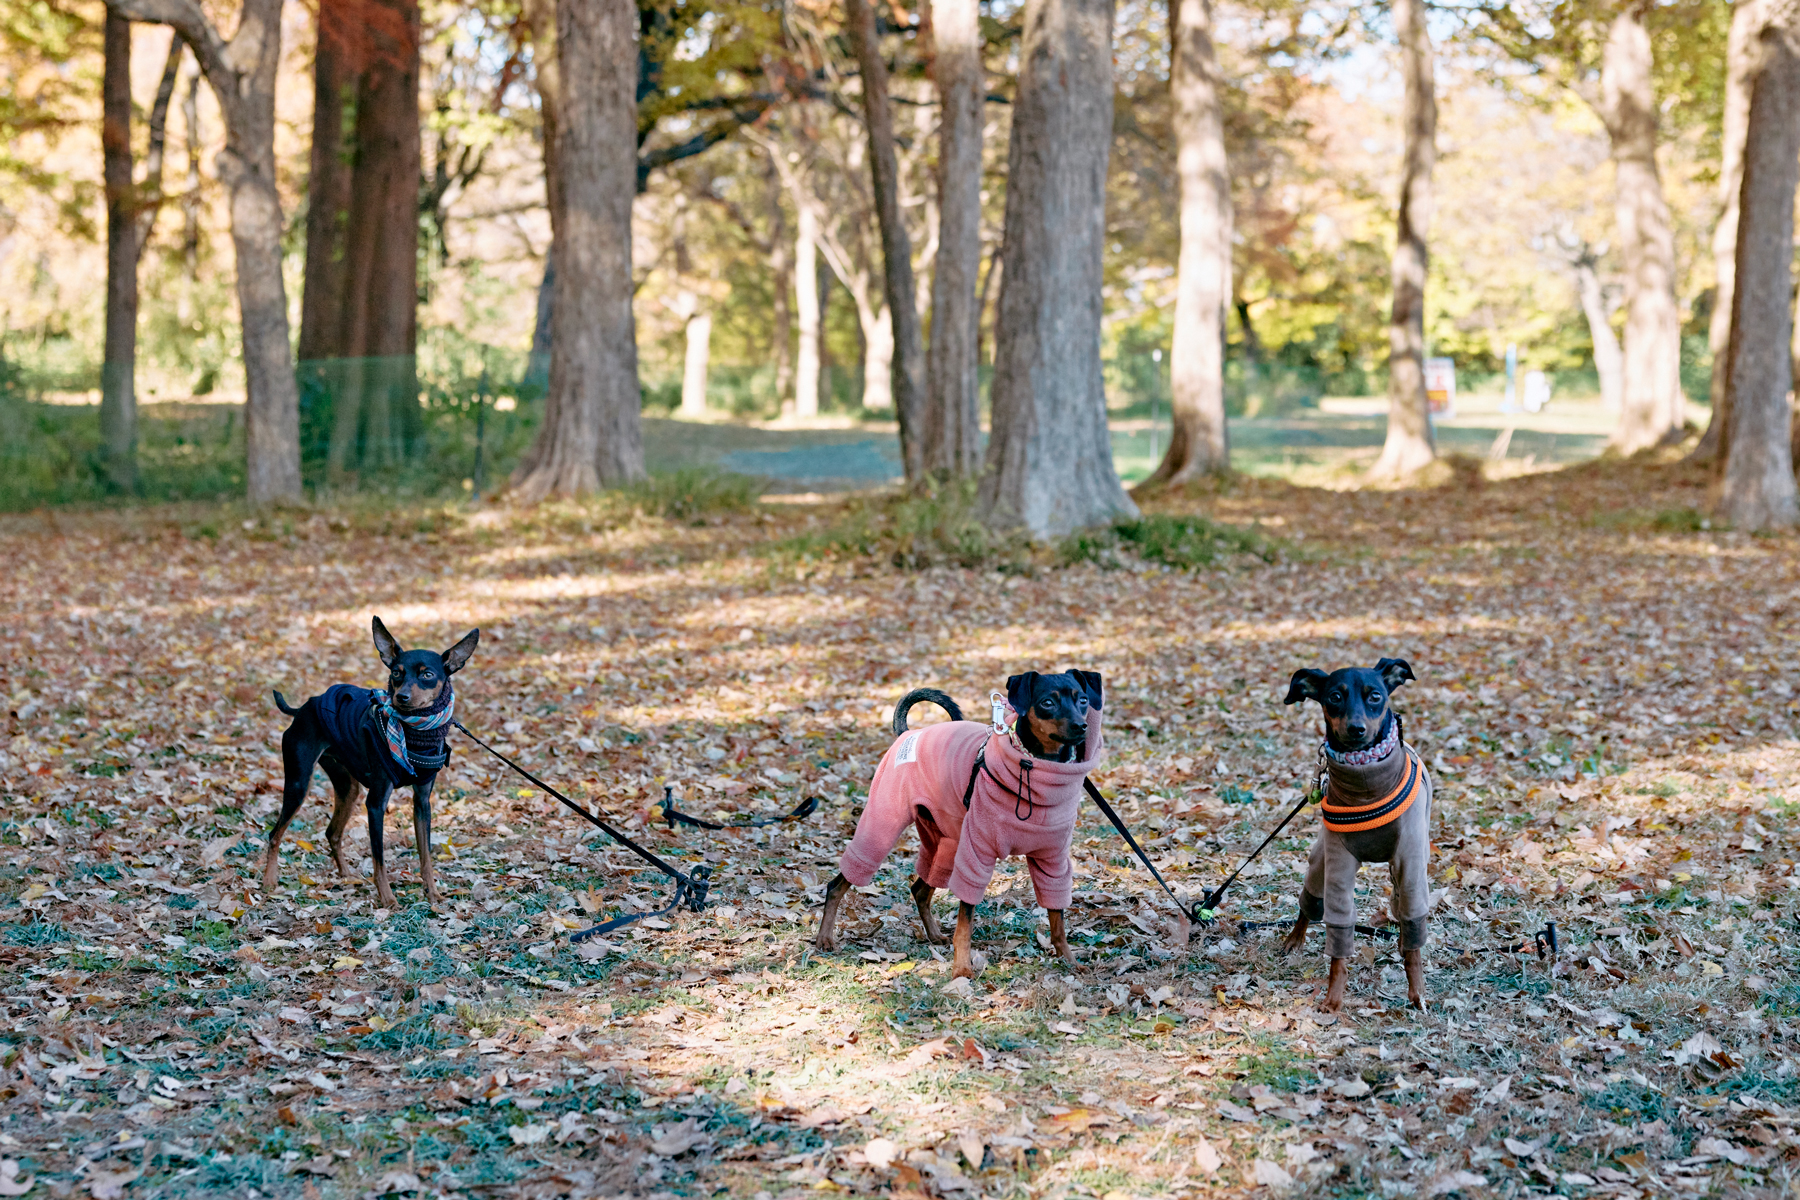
<point>941,699</point>
<point>282,704</point>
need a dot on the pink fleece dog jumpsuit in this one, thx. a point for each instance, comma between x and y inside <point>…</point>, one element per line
<point>1014,810</point>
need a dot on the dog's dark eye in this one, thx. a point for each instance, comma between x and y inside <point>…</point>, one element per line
<point>425,677</point>
<point>1047,704</point>
<point>1376,697</point>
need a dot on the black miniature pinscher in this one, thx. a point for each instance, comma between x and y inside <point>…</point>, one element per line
<point>1053,712</point>
<point>1370,827</point>
<point>375,740</point>
<point>1355,700</point>
<point>1052,725</point>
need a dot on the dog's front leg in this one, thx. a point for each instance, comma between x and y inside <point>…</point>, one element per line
<point>835,891</point>
<point>1059,937</point>
<point>965,934</point>
<point>921,894</point>
<point>376,806</point>
<point>422,836</point>
<point>1335,984</point>
<point>1415,978</point>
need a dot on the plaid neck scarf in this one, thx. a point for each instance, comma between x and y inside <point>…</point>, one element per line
<point>1374,754</point>
<point>398,728</point>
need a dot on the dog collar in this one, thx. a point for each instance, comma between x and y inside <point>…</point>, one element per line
<point>1346,818</point>
<point>1372,754</point>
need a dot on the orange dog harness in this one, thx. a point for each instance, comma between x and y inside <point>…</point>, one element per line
<point>1341,818</point>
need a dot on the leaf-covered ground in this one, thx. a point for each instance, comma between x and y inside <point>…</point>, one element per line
<point>1606,697</point>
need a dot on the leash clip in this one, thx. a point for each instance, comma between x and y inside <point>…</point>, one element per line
<point>998,704</point>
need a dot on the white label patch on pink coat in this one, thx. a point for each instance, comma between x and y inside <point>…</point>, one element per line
<point>909,749</point>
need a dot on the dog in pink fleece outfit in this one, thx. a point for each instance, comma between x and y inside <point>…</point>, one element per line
<point>977,796</point>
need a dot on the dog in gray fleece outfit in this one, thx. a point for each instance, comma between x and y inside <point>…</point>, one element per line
<point>1377,808</point>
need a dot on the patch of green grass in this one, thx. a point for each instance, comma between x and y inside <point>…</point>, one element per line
<point>694,493</point>
<point>1626,1101</point>
<point>940,528</point>
<point>1231,793</point>
<point>36,933</point>
<point>1276,1067</point>
<point>183,903</point>
<point>414,1033</point>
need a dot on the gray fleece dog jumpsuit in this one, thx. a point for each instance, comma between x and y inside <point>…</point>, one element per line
<point>1356,799</point>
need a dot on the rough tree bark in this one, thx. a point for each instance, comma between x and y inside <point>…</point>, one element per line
<point>1758,491</point>
<point>781,267</point>
<point>1197,438</point>
<point>241,72</point>
<point>190,195</point>
<point>1652,405</point>
<point>1049,463</point>
<point>362,306</point>
<point>1741,47</point>
<point>328,181</point>
<point>118,395</point>
<point>592,432</point>
<point>130,218</point>
<point>1410,442</point>
<point>1609,360</point>
<point>951,423</point>
<point>806,302</point>
<point>907,364</point>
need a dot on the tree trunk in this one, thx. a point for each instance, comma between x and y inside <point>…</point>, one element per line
<point>118,397</point>
<point>951,423</point>
<point>537,360</point>
<point>1758,490</point>
<point>781,266</point>
<point>242,75</point>
<point>382,247</point>
<point>322,290</point>
<point>694,364</point>
<point>1608,359</point>
<point>907,353</point>
<point>1410,441</point>
<point>1740,55</point>
<point>1652,406</point>
<point>592,432</point>
<point>1198,443</point>
<point>806,300</point>
<point>878,353</point>
<point>190,194</point>
<point>1049,462</point>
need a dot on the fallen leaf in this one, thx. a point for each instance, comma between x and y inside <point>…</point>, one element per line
<point>1206,1157</point>
<point>1269,1174</point>
<point>1456,1181</point>
<point>529,1135</point>
<point>11,1182</point>
<point>881,1152</point>
<point>972,1147</point>
<point>1077,1120</point>
<point>1235,1112</point>
<point>216,849</point>
<point>675,1140</point>
<point>109,1185</point>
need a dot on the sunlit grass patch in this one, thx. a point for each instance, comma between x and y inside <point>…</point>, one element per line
<point>694,493</point>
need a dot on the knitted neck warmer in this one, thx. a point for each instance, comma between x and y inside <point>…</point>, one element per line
<point>1373,754</point>
<point>416,736</point>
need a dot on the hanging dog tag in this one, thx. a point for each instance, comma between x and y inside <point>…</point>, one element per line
<point>999,705</point>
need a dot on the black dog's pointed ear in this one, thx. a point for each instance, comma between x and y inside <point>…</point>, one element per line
<point>1305,685</point>
<point>1021,690</point>
<point>1394,672</point>
<point>385,644</point>
<point>1090,683</point>
<point>457,657</point>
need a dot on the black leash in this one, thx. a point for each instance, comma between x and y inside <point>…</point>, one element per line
<point>670,814</point>
<point>690,888</point>
<point>1199,914</point>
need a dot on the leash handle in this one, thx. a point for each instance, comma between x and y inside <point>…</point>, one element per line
<point>671,814</point>
<point>682,880</point>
